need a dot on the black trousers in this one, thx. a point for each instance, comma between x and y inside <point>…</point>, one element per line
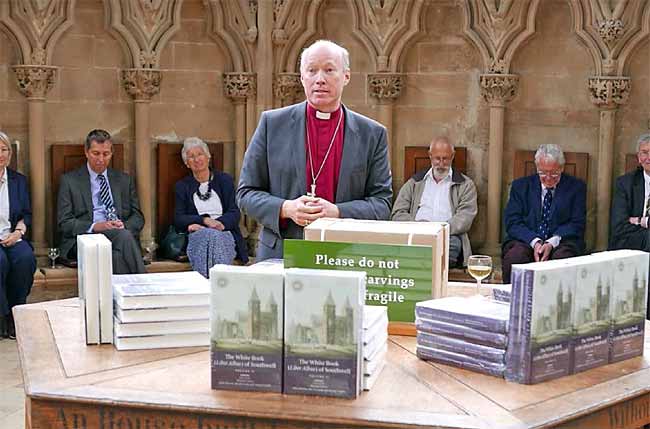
<point>518,252</point>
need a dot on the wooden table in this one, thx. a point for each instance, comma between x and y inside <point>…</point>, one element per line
<point>72,386</point>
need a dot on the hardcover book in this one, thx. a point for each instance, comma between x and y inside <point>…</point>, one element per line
<point>501,293</point>
<point>246,327</point>
<point>541,322</point>
<point>168,314</point>
<point>370,380</point>
<point>461,361</point>
<point>471,335</point>
<point>323,329</point>
<point>162,341</point>
<point>104,273</point>
<point>473,312</point>
<point>592,316</point>
<point>88,281</point>
<point>160,328</point>
<point>629,304</point>
<point>455,345</point>
<point>159,290</point>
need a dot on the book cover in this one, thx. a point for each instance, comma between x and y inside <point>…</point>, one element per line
<point>246,328</point>
<point>541,324</point>
<point>162,341</point>
<point>184,289</point>
<point>143,329</point>
<point>323,328</point>
<point>87,278</point>
<point>473,312</point>
<point>460,361</point>
<point>491,339</point>
<point>501,293</point>
<point>455,345</point>
<point>592,316</point>
<point>629,304</point>
<point>165,314</point>
<point>104,273</point>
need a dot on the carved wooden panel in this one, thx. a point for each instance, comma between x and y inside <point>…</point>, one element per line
<point>170,170</point>
<point>416,158</point>
<point>68,157</point>
<point>631,162</point>
<point>576,165</point>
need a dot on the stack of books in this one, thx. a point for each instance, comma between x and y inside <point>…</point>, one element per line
<point>575,314</point>
<point>470,333</point>
<point>161,310</point>
<point>375,343</point>
<point>95,260</point>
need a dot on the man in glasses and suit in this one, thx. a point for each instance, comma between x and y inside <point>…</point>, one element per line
<point>545,216</point>
<point>97,199</point>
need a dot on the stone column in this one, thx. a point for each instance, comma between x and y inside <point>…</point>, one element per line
<point>239,87</point>
<point>386,87</point>
<point>264,56</point>
<point>497,89</point>
<point>287,88</point>
<point>34,81</point>
<point>606,92</point>
<point>142,84</point>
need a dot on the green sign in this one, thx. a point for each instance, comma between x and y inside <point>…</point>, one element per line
<point>397,276</point>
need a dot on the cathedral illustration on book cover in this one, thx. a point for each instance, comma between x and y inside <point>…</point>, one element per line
<point>630,295</point>
<point>553,308</point>
<point>592,302</point>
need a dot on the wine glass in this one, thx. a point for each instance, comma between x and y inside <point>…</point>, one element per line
<point>53,253</point>
<point>479,267</point>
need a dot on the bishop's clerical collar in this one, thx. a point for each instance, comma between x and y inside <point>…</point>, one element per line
<point>324,116</point>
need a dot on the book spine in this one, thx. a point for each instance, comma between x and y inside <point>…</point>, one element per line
<point>439,342</point>
<point>104,272</point>
<point>491,339</point>
<point>465,362</point>
<point>521,282</point>
<point>470,320</point>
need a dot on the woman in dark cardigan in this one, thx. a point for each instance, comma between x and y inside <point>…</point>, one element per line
<point>206,209</point>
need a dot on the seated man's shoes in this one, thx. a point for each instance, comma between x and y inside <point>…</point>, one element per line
<point>11,328</point>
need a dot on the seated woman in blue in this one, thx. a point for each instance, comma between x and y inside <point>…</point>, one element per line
<point>206,209</point>
<point>17,262</point>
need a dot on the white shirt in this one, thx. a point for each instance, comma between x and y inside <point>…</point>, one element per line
<point>212,206</point>
<point>99,211</point>
<point>435,205</point>
<point>5,225</point>
<point>555,240</point>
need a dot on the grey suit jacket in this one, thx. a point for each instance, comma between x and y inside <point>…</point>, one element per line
<point>75,206</point>
<point>274,171</point>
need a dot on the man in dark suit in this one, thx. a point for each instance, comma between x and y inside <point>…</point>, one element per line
<point>545,215</point>
<point>631,204</point>
<point>314,159</point>
<point>97,199</point>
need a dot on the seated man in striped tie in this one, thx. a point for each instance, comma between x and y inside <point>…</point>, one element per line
<point>545,216</point>
<point>97,199</point>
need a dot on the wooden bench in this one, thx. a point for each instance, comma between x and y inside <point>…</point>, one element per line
<point>576,164</point>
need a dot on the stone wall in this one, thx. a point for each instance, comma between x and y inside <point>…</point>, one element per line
<point>219,65</point>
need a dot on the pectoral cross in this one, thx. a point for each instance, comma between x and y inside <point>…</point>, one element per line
<point>313,191</point>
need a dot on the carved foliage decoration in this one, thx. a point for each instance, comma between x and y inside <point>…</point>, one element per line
<point>143,27</point>
<point>387,26</point>
<point>233,25</point>
<point>498,89</point>
<point>287,87</point>
<point>36,25</point>
<point>498,28</point>
<point>294,25</point>
<point>239,86</point>
<point>611,30</point>
<point>385,86</point>
<point>609,92</point>
<point>35,81</point>
<point>141,84</point>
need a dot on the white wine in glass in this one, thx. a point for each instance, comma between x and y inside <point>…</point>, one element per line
<point>479,267</point>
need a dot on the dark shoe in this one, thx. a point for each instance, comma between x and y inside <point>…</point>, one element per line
<point>70,263</point>
<point>11,328</point>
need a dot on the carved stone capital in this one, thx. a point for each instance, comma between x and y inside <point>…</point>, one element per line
<point>141,84</point>
<point>239,86</point>
<point>610,30</point>
<point>498,89</point>
<point>385,86</point>
<point>34,81</point>
<point>287,86</point>
<point>609,91</point>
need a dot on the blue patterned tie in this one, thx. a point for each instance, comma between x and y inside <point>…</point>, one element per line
<point>104,193</point>
<point>543,229</point>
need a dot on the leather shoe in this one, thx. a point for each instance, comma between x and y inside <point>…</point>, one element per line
<point>11,329</point>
